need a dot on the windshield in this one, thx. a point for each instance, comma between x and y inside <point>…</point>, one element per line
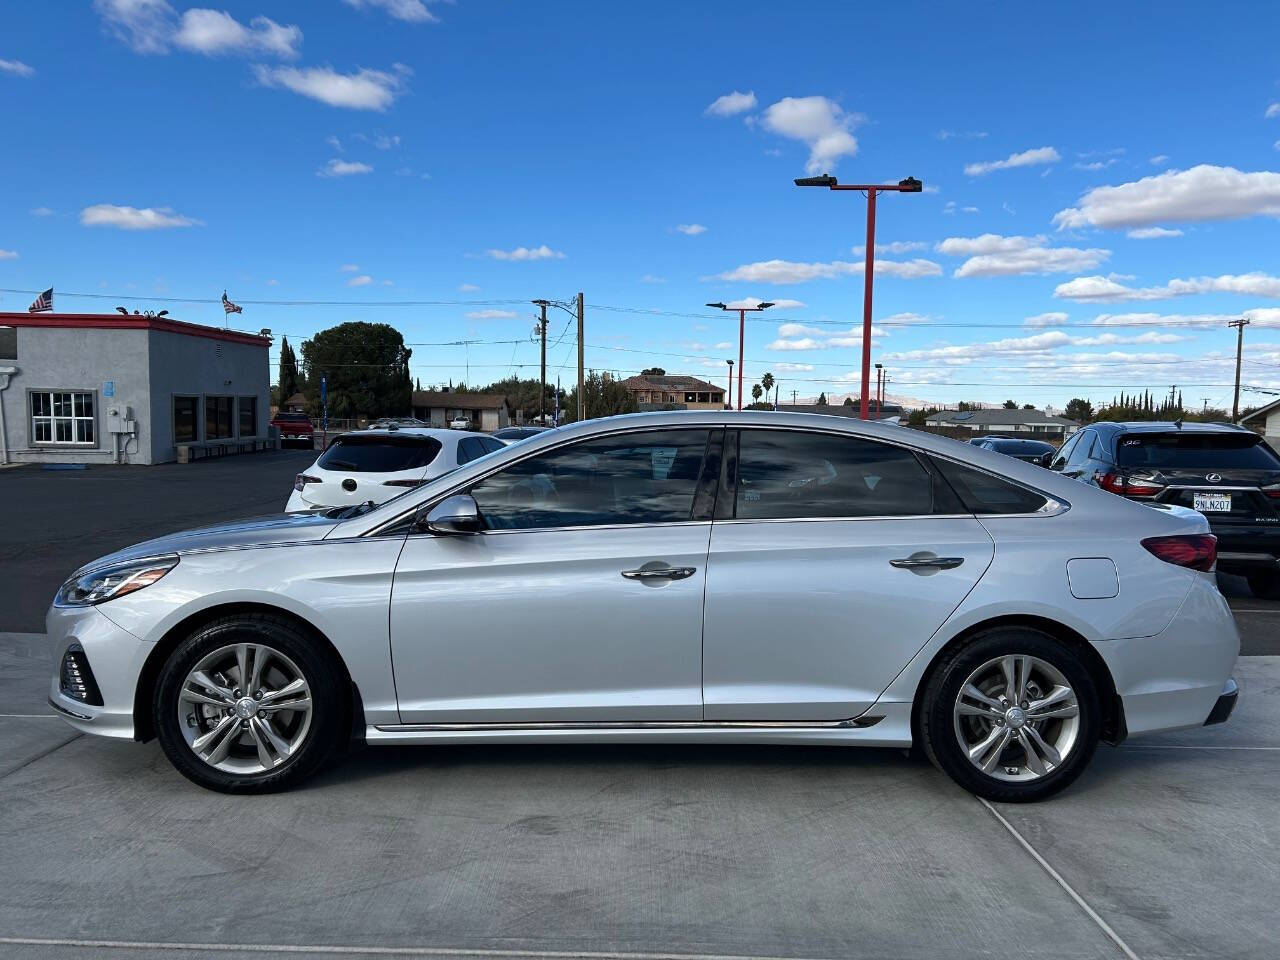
<point>379,454</point>
<point>1165,451</point>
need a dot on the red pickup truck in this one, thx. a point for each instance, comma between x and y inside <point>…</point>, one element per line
<point>294,428</point>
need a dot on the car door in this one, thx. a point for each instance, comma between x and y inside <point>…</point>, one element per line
<point>581,600</point>
<point>833,560</point>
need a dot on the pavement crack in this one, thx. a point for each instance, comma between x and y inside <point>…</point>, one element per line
<point>40,756</point>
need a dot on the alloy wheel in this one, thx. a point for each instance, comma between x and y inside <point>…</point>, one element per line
<point>245,708</point>
<point>1017,718</point>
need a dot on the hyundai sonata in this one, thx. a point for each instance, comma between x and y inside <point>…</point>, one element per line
<point>700,577</point>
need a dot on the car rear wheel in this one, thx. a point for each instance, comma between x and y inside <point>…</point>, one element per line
<point>1265,586</point>
<point>1012,715</point>
<point>248,704</point>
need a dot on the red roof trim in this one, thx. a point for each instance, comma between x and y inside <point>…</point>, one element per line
<point>118,321</point>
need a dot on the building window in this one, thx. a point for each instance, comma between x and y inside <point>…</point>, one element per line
<point>217,418</point>
<point>186,419</point>
<point>248,410</point>
<point>62,417</point>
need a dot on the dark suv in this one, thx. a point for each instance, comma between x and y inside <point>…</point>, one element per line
<point>1228,473</point>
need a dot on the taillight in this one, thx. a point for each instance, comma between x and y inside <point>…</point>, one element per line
<point>1129,486</point>
<point>403,483</point>
<point>1272,491</point>
<point>1199,551</point>
<point>302,479</point>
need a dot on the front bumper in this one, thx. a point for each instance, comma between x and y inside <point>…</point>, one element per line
<point>1226,703</point>
<point>116,658</point>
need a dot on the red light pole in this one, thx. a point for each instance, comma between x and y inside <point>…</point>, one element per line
<point>909,185</point>
<point>742,329</point>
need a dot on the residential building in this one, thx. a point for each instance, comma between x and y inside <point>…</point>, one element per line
<point>127,388</point>
<point>1265,419</point>
<point>999,420</point>
<point>662,392</point>
<point>486,411</point>
<point>889,411</point>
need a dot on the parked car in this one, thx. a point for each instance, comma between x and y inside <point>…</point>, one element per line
<point>509,435</point>
<point>378,464</point>
<point>700,576</point>
<point>294,428</point>
<point>1228,473</point>
<point>1031,451</point>
<point>460,423</point>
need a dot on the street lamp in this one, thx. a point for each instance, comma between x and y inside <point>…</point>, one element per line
<point>909,185</point>
<point>742,327</point>
<point>729,405</point>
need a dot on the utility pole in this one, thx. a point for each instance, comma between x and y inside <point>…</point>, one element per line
<point>793,398</point>
<point>1235,403</point>
<point>582,400</point>
<point>542,379</point>
<point>730,404</point>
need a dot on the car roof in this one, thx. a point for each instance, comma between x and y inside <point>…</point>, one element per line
<point>1168,426</point>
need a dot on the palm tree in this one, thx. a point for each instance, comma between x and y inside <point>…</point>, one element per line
<point>756,391</point>
<point>767,382</point>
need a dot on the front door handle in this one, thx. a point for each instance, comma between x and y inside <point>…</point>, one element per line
<point>923,563</point>
<point>660,573</point>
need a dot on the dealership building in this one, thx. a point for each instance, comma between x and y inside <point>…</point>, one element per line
<point>128,388</point>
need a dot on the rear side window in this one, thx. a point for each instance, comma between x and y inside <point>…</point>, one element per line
<point>981,492</point>
<point>472,448</point>
<point>789,474</point>
<point>1228,451</point>
<point>379,454</point>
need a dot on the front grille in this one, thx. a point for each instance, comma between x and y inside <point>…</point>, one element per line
<point>76,679</point>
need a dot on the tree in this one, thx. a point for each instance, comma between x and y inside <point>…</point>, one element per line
<point>288,380</point>
<point>822,399</point>
<point>522,395</point>
<point>1028,406</point>
<point>848,401</point>
<point>767,382</point>
<point>1011,405</point>
<point>417,384</point>
<point>367,369</point>
<point>653,372</point>
<point>604,396</point>
<point>757,392</point>
<point>1079,410</point>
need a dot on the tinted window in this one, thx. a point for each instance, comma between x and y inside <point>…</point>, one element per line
<point>1083,449</point>
<point>292,418</point>
<point>1065,451</point>
<point>468,450</point>
<point>379,454</point>
<point>632,478</point>
<point>516,433</point>
<point>490,445</point>
<point>1242,451</point>
<point>185,420</point>
<point>981,492</point>
<point>784,473</point>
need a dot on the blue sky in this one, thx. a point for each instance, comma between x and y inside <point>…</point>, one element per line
<point>1107,171</point>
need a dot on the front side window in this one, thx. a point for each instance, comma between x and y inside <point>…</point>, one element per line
<point>62,417</point>
<point>247,408</point>
<point>217,418</point>
<point>790,474</point>
<point>185,419</point>
<point>1082,450</point>
<point>648,477</point>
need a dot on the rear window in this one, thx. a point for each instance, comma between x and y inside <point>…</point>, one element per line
<point>983,493</point>
<point>379,454</point>
<point>1160,451</point>
<point>293,417</point>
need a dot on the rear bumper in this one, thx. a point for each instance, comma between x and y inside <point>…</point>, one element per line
<point>1247,549</point>
<point>1226,703</point>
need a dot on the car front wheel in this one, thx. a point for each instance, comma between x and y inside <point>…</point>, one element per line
<point>248,704</point>
<point>1012,715</point>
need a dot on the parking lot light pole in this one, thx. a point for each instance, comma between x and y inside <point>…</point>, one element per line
<point>729,405</point>
<point>742,332</point>
<point>909,185</point>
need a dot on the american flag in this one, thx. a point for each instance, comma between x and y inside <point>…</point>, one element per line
<point>228,307</point>
<point>42,303</point>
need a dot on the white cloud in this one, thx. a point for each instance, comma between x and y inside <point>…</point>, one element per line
<point>467,288</point>
<point>750,302</point>
<point>1046,320</point>
<point>492,315</point>
<point>361,281</point>
<point>905,319</point>
<point>1096,164</point>
<point>525,253</point>
<point>16,67</point>
<point>382,141</point>
<point>334,142</point>
<point>349,268</point>
<point>1204,192</point>
<point>343,168</point>
<point>951,207</point>
<point>787,367</point>
<point>1040,345</point>
<point>42,212</point>
<point>8,254</point>
<point>690,229</point>
<point>1273,111</point>
<point>961,135</point>
<point>133,218</point>
<point>214,32</point>
<point>1101,289</point>
<point>820,123</point>
<point>787,271</point>
<point>273,282</point>
<point>800,336</point>
<point>1027,158</point>
<point>145,26</point>
<point>1158,159</point>
<point>363,90</point>
<point>732,103</point>
<point>388,283</point>
<point>993,255</point>
<point>650,278</point>
<point>1153,233</point>
<point>896,246</point>
<point>410,11</point>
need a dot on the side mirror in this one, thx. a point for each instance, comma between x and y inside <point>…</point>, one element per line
<point>1057,465</point>
<point>451,516</point>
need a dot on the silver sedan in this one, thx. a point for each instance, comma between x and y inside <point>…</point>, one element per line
<point>702,577</point>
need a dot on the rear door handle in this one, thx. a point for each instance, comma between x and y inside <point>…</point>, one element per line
<point>921,563</point>
<point>660,573</point>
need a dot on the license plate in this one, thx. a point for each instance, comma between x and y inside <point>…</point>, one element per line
<point>1212,502</point>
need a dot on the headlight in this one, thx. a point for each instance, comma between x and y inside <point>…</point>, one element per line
<point>114,580</point>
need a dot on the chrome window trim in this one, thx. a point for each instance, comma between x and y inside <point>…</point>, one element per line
<point>1207,487</point>
<point>583,526</point>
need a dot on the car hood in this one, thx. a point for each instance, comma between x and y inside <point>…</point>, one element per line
<point>256,531</point>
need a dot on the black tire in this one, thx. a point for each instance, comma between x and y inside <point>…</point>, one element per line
<point>1265,586</point>
<point>937,723</point>
<point>328,717</point>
